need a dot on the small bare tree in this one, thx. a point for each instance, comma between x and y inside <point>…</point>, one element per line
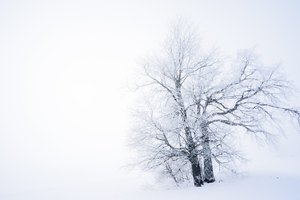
<point>192,107</point>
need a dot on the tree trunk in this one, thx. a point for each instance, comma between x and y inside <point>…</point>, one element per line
<point>193,158</point>
<point>208,166</point>
<point>196,171</point>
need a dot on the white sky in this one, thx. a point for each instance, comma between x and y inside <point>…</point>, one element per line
<point>64,66</point>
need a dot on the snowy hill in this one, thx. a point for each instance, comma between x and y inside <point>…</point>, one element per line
<point>255,187</point>
<point>247,188</point>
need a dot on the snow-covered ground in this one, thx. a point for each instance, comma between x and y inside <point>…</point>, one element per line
<point>250,187</point>
<point>258,187</point>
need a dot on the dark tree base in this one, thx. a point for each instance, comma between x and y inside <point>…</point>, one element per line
<point>198,184</point>
<point>209,180</point>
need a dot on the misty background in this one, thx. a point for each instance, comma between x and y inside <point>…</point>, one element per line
<point>64,71</point>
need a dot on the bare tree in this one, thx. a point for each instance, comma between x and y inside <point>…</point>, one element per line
<point>251,101</point>
<point>193,107</point>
